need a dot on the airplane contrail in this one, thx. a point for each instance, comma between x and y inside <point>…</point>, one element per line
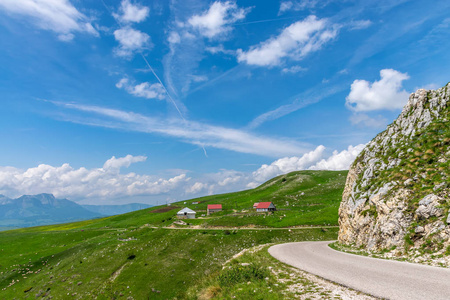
<point>157,77</point>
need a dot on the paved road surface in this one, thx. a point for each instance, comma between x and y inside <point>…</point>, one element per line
<point>377,277</point>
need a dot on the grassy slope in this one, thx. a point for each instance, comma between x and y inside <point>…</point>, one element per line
<point>319,204</point>
<point>91,259</point>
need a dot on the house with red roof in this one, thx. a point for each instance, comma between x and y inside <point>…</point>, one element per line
<point>214,208</point>
<point>265,206</point>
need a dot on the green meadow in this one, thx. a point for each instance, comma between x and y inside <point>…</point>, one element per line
<point>143,255</point>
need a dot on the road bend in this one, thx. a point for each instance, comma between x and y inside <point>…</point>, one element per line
<point>377,277</point>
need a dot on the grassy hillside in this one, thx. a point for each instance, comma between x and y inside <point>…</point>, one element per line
<point>302,198</point>
<point>134,256</point>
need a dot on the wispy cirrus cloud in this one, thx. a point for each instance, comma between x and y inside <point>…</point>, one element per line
<point>302,100</point>
<point>293,70</point>
<point>191,132</point>
<point>191,33</point>
<point>59,16</point>
<point>294,42</point>
<point>299,5</point>
<point>219,49</point>
<point>359,24</point>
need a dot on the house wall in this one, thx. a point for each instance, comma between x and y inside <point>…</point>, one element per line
<point>190,216</point>
<point>213,210</point>
<point>271,208</point>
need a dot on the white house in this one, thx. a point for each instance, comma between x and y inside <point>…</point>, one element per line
<point>186,213</point>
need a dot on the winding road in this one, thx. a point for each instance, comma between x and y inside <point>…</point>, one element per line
<point>377,277</point>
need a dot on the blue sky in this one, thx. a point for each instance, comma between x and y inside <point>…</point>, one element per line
<point>155,101</point>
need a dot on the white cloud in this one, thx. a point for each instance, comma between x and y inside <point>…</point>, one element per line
<point>367,121</point>
<point>188,36</point>
<point>131,12</point>
<point>229,180</point>
<point>339,160</point>
<point>220,182</point>
<point>65,181</point>
<point>313,160</point>
<point>174,38</point>
<point>130,40</point>
<point>298,5</point>
<point>109,183</point>
<point>59,16</point>
<point>219,49</point>
<point>293,70</point>
<point>360,24</point>
<point>216,21</point>
<point>144,90</point>
<point>285,6</point>
<point>196,188</point>
<point>116,163</point>
<point>196,133</point>
<point>295,41</point>
<point>288,164</point>
<point>387,93</point>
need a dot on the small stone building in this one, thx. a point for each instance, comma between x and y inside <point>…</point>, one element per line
<point>186,213</point>
<point>214,208</point>
<point>265,207</point>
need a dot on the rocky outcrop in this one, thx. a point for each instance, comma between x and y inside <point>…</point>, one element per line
<point>397,194</point>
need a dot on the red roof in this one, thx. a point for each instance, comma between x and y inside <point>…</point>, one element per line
<point>264,204</point>
<point>214,206</point>
<point>255,205</point>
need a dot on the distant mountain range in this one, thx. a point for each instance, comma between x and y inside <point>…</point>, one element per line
<point>44,209</point>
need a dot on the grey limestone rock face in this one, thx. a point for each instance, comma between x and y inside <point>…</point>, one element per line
<point>397,187</point>
<point>429,207</point>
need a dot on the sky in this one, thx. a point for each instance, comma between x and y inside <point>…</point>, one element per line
<point>118,101</point>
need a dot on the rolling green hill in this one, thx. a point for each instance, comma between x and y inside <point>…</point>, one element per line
<point>141,255</point>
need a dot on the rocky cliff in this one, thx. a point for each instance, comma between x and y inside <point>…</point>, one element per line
<point>397,195</point>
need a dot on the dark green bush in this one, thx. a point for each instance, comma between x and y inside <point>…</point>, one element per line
<point>242,274</point>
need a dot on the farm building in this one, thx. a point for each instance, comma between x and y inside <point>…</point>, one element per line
<point>186,213</point>
<point>265,206</point>
<point>255,205</point>
<point>214,208</point>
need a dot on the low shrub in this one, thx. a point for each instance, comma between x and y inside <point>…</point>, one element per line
<point>241,274</point>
